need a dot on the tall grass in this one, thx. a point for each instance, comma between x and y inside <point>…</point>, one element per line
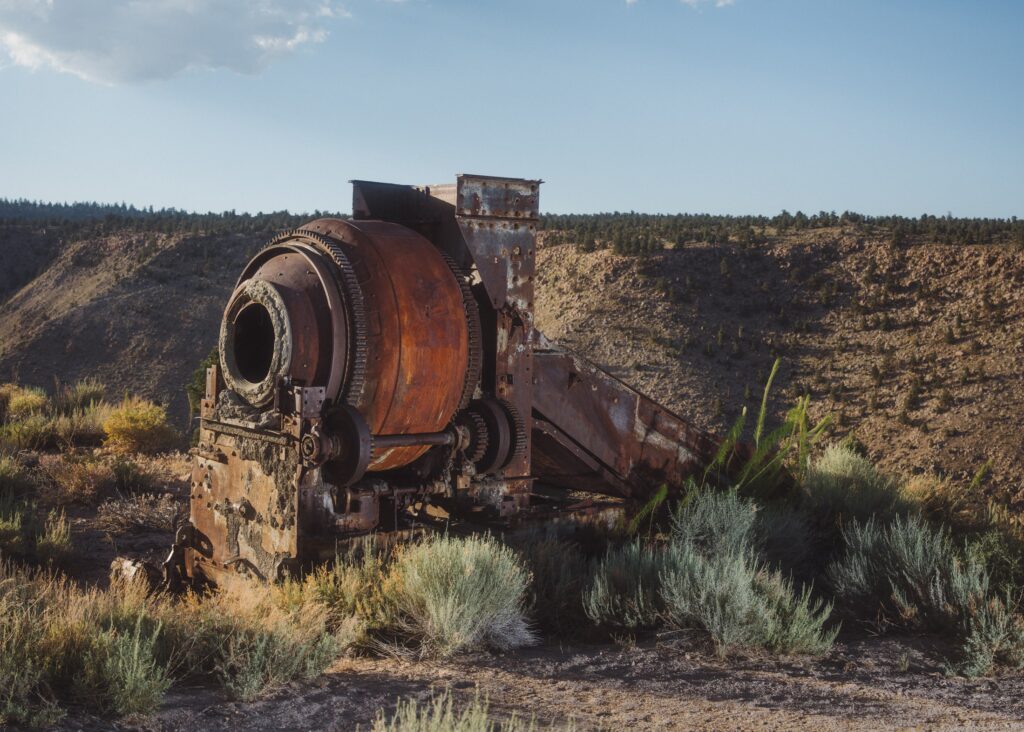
<point>774,457</point>
<point>78,397</point>
<point>253,639</point>
<point>117,651</point>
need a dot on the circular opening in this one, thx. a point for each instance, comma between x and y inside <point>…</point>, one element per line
<point>254,342</point>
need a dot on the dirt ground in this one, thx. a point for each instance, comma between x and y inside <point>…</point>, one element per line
<point>669,683</point>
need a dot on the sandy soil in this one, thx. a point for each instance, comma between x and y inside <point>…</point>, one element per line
<point>661,684</point>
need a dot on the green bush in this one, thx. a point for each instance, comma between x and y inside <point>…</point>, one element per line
<point>717,596</point>
<point>741,604</point>
<point>121,671</point>
<point>911,574</point>
<point>715,522</point>
<point>255,660</point>
<point>624,589</point>
<point>907,569</point>
<point>715,580</point>
<point>795,620</point>
<point>453,594</point>
<point>137,425</point>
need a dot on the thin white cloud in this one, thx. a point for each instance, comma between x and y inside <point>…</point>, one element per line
<point>115,41</point>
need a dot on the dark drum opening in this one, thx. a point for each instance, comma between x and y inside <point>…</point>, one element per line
<point>254,342</point>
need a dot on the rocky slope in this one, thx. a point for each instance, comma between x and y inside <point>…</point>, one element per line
<point>917,350</point>
<point>137,311</point>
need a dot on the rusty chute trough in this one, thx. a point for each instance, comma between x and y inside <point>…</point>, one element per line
<point>385,371</point>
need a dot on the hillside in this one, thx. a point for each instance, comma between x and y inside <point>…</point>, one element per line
<point>916,347</point>
<point>917,350</point>
<point>137,310</point>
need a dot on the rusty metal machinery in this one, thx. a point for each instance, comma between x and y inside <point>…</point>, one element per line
<point>385,370</point>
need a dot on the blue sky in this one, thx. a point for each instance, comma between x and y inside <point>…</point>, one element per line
<point>750,106</point>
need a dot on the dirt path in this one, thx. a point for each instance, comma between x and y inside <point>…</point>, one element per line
<point>865,684</point>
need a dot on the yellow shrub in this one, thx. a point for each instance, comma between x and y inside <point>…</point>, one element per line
<point>138,425</point>
<point>26,401</point>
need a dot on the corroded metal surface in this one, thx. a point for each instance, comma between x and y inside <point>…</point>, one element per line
<point>595,433</point>
<point>383,371</point>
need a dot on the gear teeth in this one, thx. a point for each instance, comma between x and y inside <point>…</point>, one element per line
<point>469,304</point>
<point>355,378</point>
<point>518,431</point>
<point>480,440</point>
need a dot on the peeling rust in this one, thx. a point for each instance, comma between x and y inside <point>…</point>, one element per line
<point>376,367</point>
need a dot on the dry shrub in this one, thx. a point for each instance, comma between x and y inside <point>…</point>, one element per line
<point>253,638</point>
<point>138,425</point>
<point>75,478</point>
<point>60,644</point>
<point>142,512</point>
<point>453,594</point>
